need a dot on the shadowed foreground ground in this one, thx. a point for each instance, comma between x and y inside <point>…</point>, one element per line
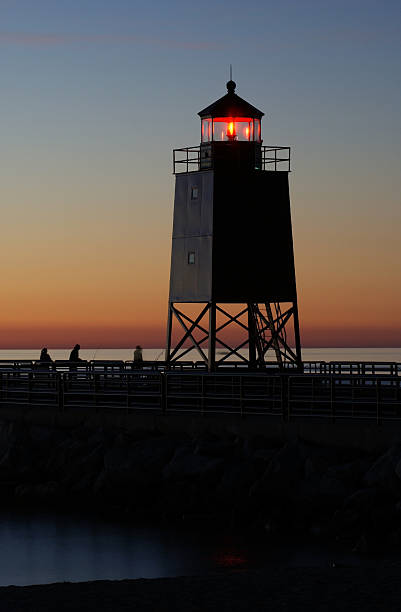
<point>318,589</point>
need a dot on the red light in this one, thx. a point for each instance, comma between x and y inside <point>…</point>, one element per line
<point>231,560</point>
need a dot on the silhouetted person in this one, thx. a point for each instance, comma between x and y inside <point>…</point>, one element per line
<point>138,359</point>
<point>45,357</point>
<point>44,360</point>
<point>74,355</point>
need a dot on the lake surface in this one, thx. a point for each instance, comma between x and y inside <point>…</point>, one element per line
<point>151,354</point>
<point>39,548</point>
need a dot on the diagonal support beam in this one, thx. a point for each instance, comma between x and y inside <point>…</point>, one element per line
<point>235,350</point>
<point>232,319</point>
<point>188,334</point>
<point>188,331</point>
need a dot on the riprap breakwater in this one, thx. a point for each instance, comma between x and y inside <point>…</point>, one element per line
<point>247,481</point>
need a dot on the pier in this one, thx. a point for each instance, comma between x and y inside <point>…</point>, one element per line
<point>330,391</point>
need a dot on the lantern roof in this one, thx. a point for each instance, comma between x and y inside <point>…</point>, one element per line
<point>231,105</point>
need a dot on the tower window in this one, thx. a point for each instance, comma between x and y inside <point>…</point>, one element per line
<point>191,257</point>
<point>194,193</point>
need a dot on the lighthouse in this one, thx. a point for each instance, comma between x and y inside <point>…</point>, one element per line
<point>233,295</point>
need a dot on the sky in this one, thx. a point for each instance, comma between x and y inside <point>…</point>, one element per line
<point>96,94</point>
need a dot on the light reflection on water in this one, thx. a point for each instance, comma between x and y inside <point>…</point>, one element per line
<point>308,354</point>
<point>38,548</point>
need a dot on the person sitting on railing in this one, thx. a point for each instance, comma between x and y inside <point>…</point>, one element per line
<point>137,362</point>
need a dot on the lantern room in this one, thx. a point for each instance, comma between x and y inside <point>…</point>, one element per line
<point>231,119</point>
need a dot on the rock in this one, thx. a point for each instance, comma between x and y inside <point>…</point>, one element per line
<point>333,489</point>
<point>47,491</point>
<point>186,464</point>
<point>261,459</point>
<point>43,436</point>
<point>237,478</point>
<point>256,443</point>
<point>353,516</point>
<point>210,445</point>
<point>284,470</point>
<point>350,473</point>
<point>138,465</point>
<point>383,472</point>
<point>361,545</point>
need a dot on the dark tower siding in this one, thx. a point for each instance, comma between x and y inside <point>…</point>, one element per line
<point>252,239</point>
<point>244,218</point>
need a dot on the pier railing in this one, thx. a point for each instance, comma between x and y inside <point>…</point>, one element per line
<point>114,386</point>
<point>359,368</point>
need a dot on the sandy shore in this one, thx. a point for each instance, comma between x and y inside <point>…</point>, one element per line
<point>376,587</point>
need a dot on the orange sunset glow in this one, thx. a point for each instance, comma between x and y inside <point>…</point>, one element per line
<point>87,185</point>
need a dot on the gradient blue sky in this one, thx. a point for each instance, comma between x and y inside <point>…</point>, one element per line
<point>95,94</point>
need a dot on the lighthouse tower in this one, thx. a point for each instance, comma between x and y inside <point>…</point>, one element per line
<point>232,285</point>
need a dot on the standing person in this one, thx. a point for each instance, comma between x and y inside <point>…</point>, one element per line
<point>45,357</point>
<point>138,359</point>
<point>74,355</point>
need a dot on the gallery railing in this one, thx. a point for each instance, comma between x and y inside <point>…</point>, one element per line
<point>188,159</point>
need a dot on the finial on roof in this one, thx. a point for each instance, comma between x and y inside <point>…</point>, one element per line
<point>231,85</point>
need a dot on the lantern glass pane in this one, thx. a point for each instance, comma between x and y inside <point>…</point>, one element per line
<point>234,128</point>
<point>206,130</point>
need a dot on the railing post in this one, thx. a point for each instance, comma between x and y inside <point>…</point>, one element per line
<point>127,388</point>
<point>163,381</point>
<point>378,420</point>
<point>202,395</point>
<point>332,398</point>
<point>60,379</point>
<point>30,381</point>
<point>241,397</point>
<point>286,399</point>
<point>95,389</point>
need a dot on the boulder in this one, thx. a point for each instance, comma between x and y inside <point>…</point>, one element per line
<point>43,492</point>
<point>254,443</point>
<point>350,473</point>
<point>186,464</point>
<point>351,519</point>
<point>285,469</point>
<point>210,445</point>
<point>383,472</point>
<point>237,479</point>
<point>139,464</point>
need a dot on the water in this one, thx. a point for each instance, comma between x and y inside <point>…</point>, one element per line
<point>151,354</point>
<point>37,548</point>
